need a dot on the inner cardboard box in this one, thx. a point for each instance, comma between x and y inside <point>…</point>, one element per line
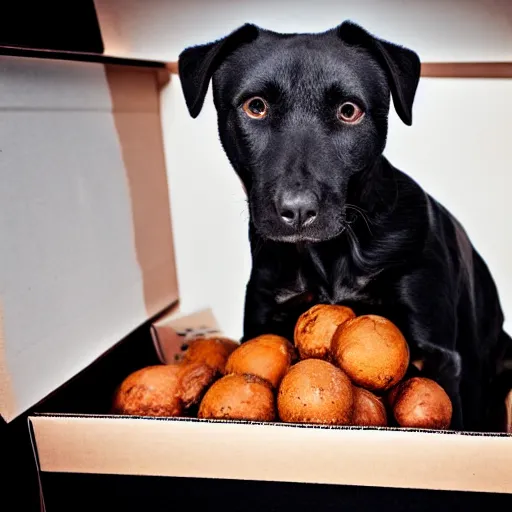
<point>159,341</point>
<point>77,434</point>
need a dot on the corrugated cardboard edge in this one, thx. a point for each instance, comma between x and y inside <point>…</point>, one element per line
<point>7,398</point>
<point>508,406</point>
<point>172,329</point>
<point>390,458</point>
<point>42,504</point>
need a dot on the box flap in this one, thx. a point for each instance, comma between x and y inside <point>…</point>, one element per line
<point>275,452</point>
<point>171,331</point>
<point>85,222</point>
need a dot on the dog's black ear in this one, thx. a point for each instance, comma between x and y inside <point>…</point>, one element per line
<point>198,63</point>
<point>401,65</point>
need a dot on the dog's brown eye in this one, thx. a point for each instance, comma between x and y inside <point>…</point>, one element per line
<point>256,108</point>
<point>349,112</point>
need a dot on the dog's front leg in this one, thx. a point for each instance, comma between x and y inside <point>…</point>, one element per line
<point>258,310</point>
<point>265,311</point>
<point>431,330</point>
<point>263,314</point>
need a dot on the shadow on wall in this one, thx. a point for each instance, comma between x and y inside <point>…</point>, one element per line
<point>142,151</point>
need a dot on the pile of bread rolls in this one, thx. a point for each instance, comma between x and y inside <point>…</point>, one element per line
<point>341,369</point>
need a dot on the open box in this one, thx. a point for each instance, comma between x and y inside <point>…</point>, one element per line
<point>79,443</point>
<point>125,463</point>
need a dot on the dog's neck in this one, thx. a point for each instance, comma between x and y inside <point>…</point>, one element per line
<point>379,238</point>
<point>377,200</point>
<point>374,188</point>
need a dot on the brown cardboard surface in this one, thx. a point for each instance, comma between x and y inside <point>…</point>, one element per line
<point>274,452</point>
<point>466,69</point>
<point>136,111</point>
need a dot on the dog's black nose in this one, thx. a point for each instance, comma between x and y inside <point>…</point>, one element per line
<point>298,209</point>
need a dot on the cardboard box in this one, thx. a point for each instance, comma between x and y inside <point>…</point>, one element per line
<point>140,455</point>
<point>86,246</point>
<point>103,234</point>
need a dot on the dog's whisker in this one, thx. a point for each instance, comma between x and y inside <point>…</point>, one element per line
<point>257,249</point>
<point>355,207</point>
<point>363,215</point>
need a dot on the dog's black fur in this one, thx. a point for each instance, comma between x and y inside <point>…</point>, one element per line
<point>378,242</point>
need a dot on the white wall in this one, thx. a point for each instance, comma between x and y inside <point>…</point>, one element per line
<point>458,148</point>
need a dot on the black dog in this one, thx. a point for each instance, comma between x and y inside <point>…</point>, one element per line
<point>303,121</point>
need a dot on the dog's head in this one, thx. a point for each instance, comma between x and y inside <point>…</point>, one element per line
<point>299,115</point>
